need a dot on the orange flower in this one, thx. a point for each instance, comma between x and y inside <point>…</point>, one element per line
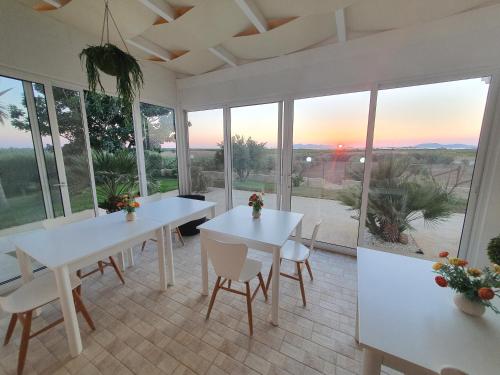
<point>441,281</point>
<point>134,204</point>
<point>437,266</point>
<point>486,293</point>
<point>474,272</point>
<point>458,262</point>
<point>496,267</point>
<point>119,204</point>
<point>443,254</point>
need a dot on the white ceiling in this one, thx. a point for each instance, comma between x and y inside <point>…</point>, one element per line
<point>215,24</point>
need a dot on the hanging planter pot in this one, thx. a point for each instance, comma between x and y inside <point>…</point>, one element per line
<point>111,60</point>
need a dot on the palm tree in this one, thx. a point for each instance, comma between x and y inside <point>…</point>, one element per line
<point>398,196</point>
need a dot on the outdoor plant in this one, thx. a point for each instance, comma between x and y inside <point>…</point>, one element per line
<point>397,197</point>
<point>478,286</point>
<point>108,58</point>
<point>494,250</point>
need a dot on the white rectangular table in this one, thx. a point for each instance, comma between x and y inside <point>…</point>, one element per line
<point>171,213</point>
<point>80,244</point>
<point>406,320</point>
<point>268,233</point>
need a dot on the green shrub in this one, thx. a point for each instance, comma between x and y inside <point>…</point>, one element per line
<point>153,162</point>
<point>494,250</point>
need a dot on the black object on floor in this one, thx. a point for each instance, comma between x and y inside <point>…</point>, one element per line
<point>189,229</point>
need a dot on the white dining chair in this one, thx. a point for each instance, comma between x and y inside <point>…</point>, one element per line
<point>230,263</point>
<point>30,296</point>
<point>298,253</point>
<point>101,265</point>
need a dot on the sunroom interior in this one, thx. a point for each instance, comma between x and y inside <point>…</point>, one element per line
<point>378,119</point>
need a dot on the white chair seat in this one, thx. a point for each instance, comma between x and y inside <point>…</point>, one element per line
<point>250,269</point>
<point>294,251</point>
<point>38,292</point>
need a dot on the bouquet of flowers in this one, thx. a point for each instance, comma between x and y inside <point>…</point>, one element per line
<point>128,203</point>
<point>256,201</point>
<point>478,286</point>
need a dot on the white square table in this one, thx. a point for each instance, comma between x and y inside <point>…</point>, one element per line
<point>268,233</point>
<point>408,322</point>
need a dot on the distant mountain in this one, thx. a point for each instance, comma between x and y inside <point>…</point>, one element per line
<point>311,146</point>
<point>452,146</point>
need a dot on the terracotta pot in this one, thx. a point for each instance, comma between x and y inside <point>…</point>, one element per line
<point>130,216</point>
<point>255,213</point>
<point>467,306</point>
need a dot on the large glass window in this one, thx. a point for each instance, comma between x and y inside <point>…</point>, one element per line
<point>160,152</point>
<point>425,145</point>
<point>112,140</point>
<point>329,137</point>
<point>74,148</point>
<point>206,155</point>
<point>255,156</point>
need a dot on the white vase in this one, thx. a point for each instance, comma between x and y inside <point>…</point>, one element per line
<point>468,306</point>
<point>130,216</point>
<point>255,213</point>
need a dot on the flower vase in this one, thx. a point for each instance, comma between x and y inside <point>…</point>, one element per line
<point>130,216</point>
<point>467,306</point>
<point>255,213</point>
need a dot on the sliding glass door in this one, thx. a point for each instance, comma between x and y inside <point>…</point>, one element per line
<point>206,155</point>
<point>424,152</point>
<point>329,138</point>
<point>255,136</point>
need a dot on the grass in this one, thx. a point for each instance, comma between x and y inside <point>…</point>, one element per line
<point>168,184</point>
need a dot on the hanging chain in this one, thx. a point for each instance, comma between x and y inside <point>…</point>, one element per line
<point>105,25</point>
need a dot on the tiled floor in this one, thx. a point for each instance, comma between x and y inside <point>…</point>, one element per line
<point>143,331</point>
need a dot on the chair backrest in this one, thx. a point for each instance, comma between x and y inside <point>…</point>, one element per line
<point>227,258</point>
<point>314,234</point>
<point>452,371</point>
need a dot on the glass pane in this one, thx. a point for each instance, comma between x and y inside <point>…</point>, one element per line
<point>160,153</point>
<point>48,148</point>
<point>254,135</point>
<point>112,139</point>
<point>425,145</point>
<point>329,138</point>
<point>206,154</point>
<point>21,199</point>
<point>74,148</point>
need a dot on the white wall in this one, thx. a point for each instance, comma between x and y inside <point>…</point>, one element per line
<point>35,43</point>
<point>456,47</point>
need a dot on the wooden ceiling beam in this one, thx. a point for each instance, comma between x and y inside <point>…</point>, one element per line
<point>253,14</point>
<point>272,24</point>
<point>160,8</point>
<point>224,55</point>
<point>151,48</point>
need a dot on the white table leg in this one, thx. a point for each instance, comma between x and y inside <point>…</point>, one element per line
<point>170,256</point>
<point>298,232</point>
<point>68,309</point>
<point>161,258</point>
<point>212,212</point>
<point>25,265</point>
<point>356,333</point>
<point>372,362</point>
<point>130,257</point>
<point>276,286</point>
<point>122,261</point>
<point>204,265</point>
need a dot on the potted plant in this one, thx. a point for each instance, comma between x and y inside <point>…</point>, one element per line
<point>129,205</point>
<point>256,201</point>
<point>475,288</point>
<point>108,58</point>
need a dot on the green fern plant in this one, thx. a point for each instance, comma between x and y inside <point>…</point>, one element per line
<point>494,250</point>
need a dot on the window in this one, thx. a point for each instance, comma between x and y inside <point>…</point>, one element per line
<point>255,155</point>
<point>329,138</point>
<point>425,146</point>
<point>206,155</point>
<point>160,152</point>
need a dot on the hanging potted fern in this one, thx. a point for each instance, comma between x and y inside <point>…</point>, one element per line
<point>111,60</point>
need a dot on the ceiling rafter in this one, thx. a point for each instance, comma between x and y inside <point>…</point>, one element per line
<point>165,11</point>
<point>341,25</point>
<point>45,5</point>
<point>253,13</point>
<point>151,48</point>
<point>224,55</point>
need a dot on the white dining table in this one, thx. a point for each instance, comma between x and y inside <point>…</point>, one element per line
<point>267,233</point>
<point>73,246</point>
<point>409,323</point>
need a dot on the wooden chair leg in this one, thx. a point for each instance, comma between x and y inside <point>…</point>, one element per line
<point>261,282</point>
<point>269,277</point>
<point>10,329</point>
<point>23,347</point>
<point>143,246</point>
<point>229,284</point>
<point>117,270</point>
<point>302,291</point>
<point>179,234</point>
<point>214,294</point>
<point>309,269</point>
<point>249,307</point>
<point>79,287</point>
<point>100,265</point>
<point>80,307</point>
